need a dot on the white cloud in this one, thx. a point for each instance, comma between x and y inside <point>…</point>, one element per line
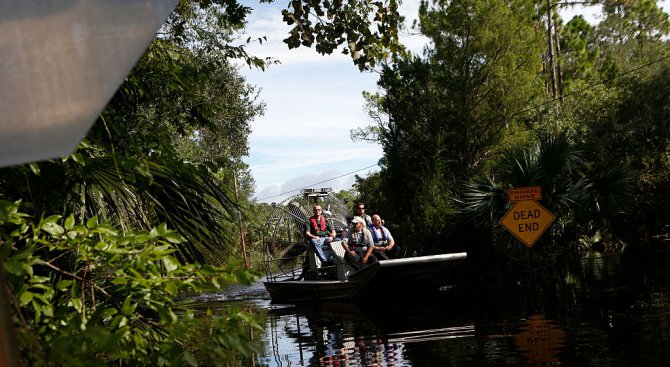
<point>305,159</point>
<point>278,170</point>
<point>313,102</point>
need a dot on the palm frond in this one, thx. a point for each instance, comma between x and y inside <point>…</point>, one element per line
<point>483,202</point>
<point>136,194</point>
<point>191,200</point>
<point>584,201</point>
<point>556,157</point>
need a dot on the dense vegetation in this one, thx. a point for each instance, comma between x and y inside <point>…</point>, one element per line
<point>86,294</point>
<point>103,248</point>
<point>506,95</point>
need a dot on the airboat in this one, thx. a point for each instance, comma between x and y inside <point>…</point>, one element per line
<point>294,274</point>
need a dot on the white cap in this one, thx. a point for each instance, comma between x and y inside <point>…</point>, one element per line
<point>358,220</point>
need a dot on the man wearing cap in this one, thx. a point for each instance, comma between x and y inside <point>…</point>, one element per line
<point>358,245</point>
<point>320,234</point>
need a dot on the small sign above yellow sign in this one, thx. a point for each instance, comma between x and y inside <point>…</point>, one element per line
<point>525,193</point>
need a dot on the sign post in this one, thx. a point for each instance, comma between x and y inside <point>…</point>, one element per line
<point>527,220</point>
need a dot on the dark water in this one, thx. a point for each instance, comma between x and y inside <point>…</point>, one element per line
<point>610,311</point>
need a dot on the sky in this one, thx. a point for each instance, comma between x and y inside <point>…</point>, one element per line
<point>312,104</point>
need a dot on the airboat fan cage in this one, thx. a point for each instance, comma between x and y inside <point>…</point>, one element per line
<point>284,232</point>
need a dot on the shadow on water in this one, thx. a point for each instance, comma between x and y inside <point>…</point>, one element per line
<point>333,334</point>
<point>610,310</point>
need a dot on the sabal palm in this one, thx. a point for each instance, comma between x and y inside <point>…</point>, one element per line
<point>135,193</point>
<point>582,198</point>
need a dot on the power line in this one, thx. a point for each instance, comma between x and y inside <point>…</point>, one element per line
<point>589,86</point>
<point>319,183</point>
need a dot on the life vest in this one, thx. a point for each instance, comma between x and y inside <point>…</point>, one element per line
<point>374,233</point>
<point>319,232</point>
<point>358,240</point>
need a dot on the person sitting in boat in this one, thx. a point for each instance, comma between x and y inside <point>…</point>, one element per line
<point>360,212</point>
<point>384,245</point>
<point>320,233</point>
<point>358,245</point>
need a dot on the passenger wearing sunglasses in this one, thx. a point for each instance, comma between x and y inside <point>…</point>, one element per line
<point>360,212</point>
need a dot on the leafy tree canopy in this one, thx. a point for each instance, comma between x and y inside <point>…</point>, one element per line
<point>482,90</point>
<point>441,116</point>
<point>368,30</point>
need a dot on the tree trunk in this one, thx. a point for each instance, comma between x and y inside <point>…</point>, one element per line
<point>559,71</point>
<point>550,38</point>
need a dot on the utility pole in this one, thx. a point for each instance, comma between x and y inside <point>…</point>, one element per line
<point>239,221</point>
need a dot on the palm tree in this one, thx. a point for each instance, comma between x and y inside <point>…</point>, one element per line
<point>133,193</point>
<point>584,197</point>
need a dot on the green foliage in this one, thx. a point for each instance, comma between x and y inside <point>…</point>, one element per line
<point>209,26</point>
<point>255,229</point>
<point>329,24</point>
<point>371,191</point>
<point>179,103</point>
<point>137,193</point>
<point>632,33</point>
<point>584,198</point>
<point>632,130</point>
<point>85,294</point>
<point>441,118</point>
<point>633,22</point>
<point>579,53</point>
<point>367,30</point>
<point>346,196</point>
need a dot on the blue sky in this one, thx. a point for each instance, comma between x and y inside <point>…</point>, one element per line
<point>313,102</point>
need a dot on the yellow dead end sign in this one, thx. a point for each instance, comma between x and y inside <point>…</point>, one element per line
<point>527,220</point>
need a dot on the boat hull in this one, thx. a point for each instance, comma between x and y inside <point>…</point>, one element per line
<point>421,276</point>
<point>295,291</point>
<point>311,290</point>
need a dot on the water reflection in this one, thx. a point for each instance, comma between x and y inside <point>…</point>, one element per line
<point>540,340</point>
<point>609,311</point>
<point>339,334</point>
<point>345,335</point>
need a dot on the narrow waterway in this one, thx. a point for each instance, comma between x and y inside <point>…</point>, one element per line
<point>612,312</point>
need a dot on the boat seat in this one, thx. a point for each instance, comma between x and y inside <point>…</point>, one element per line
<point>313,268</point>
<point>313,260</point>
<point>344,269</point>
